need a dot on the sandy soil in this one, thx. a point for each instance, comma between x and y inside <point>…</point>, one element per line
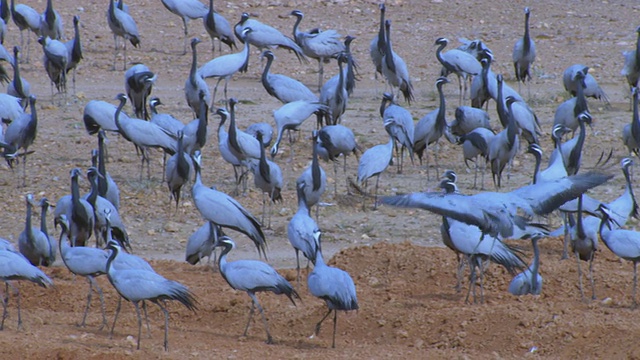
<point>405,278</point>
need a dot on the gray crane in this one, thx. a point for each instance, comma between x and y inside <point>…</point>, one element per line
<point>143,134</point>
<point>502,213</point>
<point>122,25</point>
<point>458,62</point>
<point>267,176</point>
<point>583,247</point>
<point>4,56</point>
<point>282,87</point>
<point>335,94</point>
<point>333,285</point>
<point>623,243</point>
<point>469,118</point>
<point>25,18</point>
<point>591,88</point>
<point>98,114</point>
<point>479,91</point>
<point>223,148</point>
<point>19,86</point>
<point>179,170</point>
<point>20,134</point>
<point>631,68</point>
<point>74,48</point>
<point>333,141</point>
<point>504,146</point>
<point>291,115</point>
<point>136,285</point>
<point>10,108</point>
<point>526,120</point>
<point>399,124</point>
<point>466,239</point>
<point>264,36</point>
<point>317,44</point>
<point>56,59</point>
<point>44,209</point>
<point>431,127</point>
<point>524,53</point>
<point>631,131</point>
<point>78,211</point>
<point>265,129</point>
<point>225,211</point>
<point>138,83</point>
<point>186,9</point>
<point>218,27</point>
<point>225,66</point>
<point>567,112</point>
<point>242,145</point>
<point>301,231</point>
<point>373,162</point>
<point>164,120</point>
<point>101,207</point>
<point>476,143</point>
<point>51,23</point>
<point>14,266</point>
<point>377,45</point>
<point>107,187</point>
<point>394,68</point>
<point>202,242</point>
<point>349,72</point>
<point>35,245</point>
<point>571,151</point>
<point>195,132</point>
<point>555,170</point>
<point>86,262</point>
<point>195,84</point>
<point>314,178</point>
<point>529,281</point>
<point>253,276</point>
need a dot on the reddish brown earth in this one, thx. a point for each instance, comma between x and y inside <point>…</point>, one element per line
<point>404,277</point>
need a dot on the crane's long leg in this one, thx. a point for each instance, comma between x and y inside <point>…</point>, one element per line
<point>246,328</point>
<point>115,51</point>
<point>166,324</point>
<point>139,322</point>
<point>86,308</point>
<point>146,317</point>
<point>215,90</point>
<point>317,329</point>
<point>635,283</point>
<point>298,267</point>
<point>593,282</point>
<point>264,318</point>
<point>115,317</point>
<point>5,303</point>
<point>17,292</point>
<point>565,246</point>
<point>186,35</point>
<point>320,74</point>
<point>335,326</point>
<point>375,196</point>
<point>579,275</point>
<point>124,64</point>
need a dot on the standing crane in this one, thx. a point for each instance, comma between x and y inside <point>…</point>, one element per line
<point>138,83</point>
<point>394,68</point>
<point>35,245</point>
<point>122,25</point>
<point>458,62</point>
<point>20,134</point>
<point>25,18</point>
<point>186,9</point>
<point>195,84</point>
<point>218,27</point>
<point>524,53</point>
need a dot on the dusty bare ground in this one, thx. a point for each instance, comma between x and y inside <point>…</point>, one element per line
<point>404,278</point>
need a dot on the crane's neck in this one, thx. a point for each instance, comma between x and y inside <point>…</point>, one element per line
<point>297,36</point>
<point>102,182</point>
<point>222,260</point>
<point>183,163</point>
<point>246,52</point>
<point>111,12</point>
<point>629,190</point>
<point>536,171</point>
<point>636,67</point>
<point>635,120</point>
<point>500,106</point>
<point>383,106</point>
<point>512,127</point>
<point>194,66</point>
<point>527,39</point>
<point>49,15</point>
<point>351,77</point>
<point>27,223</point>
<point>316,176</point>
<point>116,116</point>
<point>43,218</point>
<point>34,114</point>
<point>439,53</point>
<point>388,52</point>
<point>265,76</point>
<point>302,201</point>
<point>263,166</point>
<point>233,131</point>
<point>381,33</point>
<point>441,122</point>
<point>576,151</point>
<point>341,87</point>
<point>93,193</point>
<point>115,251</point>
<point>579,223</point>
<point>17,80</point>
<point>581,100</point>
<point>536,264</point>
<point>203,121</point>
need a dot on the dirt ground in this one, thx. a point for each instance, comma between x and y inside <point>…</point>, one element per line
<point>404,276</point>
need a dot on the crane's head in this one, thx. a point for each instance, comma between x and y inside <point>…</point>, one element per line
<point>297,13</point>
<point>510,100</point>
<point>499,78</point>
<point>195,41</point>
<point>75,173</point>
<point>244,17</point>
<point>535,150</point>
<point>441,81</point>
<point>245,32</point>
<point>29,198</point>
<point>527,11</point>
<point>450,175</point>
<point>638,29</point>
<point>558,132</point>
<point>585,117</point>
<point>382,7</point>
<point>197,157</point>
<point>63,221</point>
<point>44,203</point>
<point>626,163</point>
<point>268,54</point>
<point>154,101</point>
<point>442,41</point>
<point>226,242</point>
<point>223,113</point>
<point>121,97</point>
<point>448,186</point>
<point>76,20</point>
<point>348,39</point>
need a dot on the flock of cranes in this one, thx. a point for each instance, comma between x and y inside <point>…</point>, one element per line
<point>473,226</point>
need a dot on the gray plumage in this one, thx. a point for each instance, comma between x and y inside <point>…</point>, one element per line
<point>218,27</point>
<point>122,25</point>
<point>529,281</point>
<point>202,242</point>
<point>567,112</point>
<point>101,207</point>
<point>136,285</point>
<point>631,67</point>
<point>263,128</point>
<point>377,45</point>
<point>195,84</point>
<point>399,124</point>
<point>51,23</point>
<point>291,115</point>
<point>14,266</point>
<point>301,230</point>
<point>631,131</point>
<point>313,179</point>
<point>195,132</point>
<point>333,285</point>
<point>138,84</point>
<point>504,146</point>
<point>186,9</point>
<point>282,87</point>
<point>458,62</point>
<point>25,18</point>
<point>165,121</point>
<point>78,211</point>
<point>19,86</point>
<point>395,69</point>
<point>74,49</point>
<point>373,162</point>
<point>571,151</point>
<point>242,145</point>
<point>333,141</point>
<point>524,52</point>
<point>253,276</point>
<point>267,177</point>
<point>317,44</point>
<point>431,127</point>
<point>554,171</point>
<point>583,247</point>
<point>335,94</point>
<point>84,261</point>
<point>264,36</point>
<point>179,170</point>
<point>474,144</point>
<point>20,134</point>
<point>10,108</point>
<point>225,66</point>
<point>34,244</point>
<point>56,59</point>
<point>98,115</point>
<point>592,89</point>
<point>223,146</point>
<point>479,91</point>
<point>107,187</point>
<point>501,213</point>
<point>225,211</point>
